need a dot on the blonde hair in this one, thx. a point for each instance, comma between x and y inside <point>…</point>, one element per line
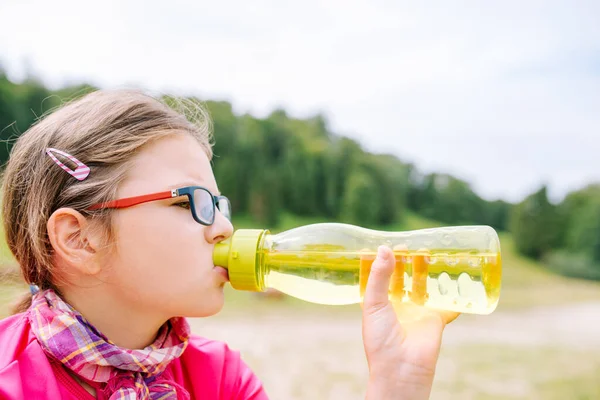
<point>104,130</point>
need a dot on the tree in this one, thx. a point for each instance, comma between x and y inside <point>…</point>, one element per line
<point>362,200</point>
<point>536,224</point>
<point>581,210</point>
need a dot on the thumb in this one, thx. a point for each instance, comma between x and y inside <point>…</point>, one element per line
<point>376,291</point>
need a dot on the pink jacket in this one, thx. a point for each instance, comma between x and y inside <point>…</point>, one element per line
<point>207,369</point>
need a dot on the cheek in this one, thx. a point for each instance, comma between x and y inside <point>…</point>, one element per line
<point>163,262</point>
<point>160,248</point>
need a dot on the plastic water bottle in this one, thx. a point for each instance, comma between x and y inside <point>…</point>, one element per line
<point>449,268</point>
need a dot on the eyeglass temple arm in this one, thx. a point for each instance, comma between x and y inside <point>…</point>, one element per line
<point>132,201</point>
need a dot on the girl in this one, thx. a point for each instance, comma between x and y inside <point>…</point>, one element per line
<point>111,209</point>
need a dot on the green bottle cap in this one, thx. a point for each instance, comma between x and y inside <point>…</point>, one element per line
<point>239,255</point>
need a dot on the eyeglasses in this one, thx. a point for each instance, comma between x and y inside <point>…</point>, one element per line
<point>202,203</point>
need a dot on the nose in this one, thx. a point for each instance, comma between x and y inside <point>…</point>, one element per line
<point>220,230</point>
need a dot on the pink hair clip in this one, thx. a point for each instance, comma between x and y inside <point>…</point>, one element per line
<point>80,173</point>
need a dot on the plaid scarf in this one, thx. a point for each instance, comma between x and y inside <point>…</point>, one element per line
<point>65,335</point>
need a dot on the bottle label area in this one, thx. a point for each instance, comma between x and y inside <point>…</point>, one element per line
<point>457,281</point>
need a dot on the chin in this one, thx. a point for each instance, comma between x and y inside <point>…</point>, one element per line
<point>206,307</point>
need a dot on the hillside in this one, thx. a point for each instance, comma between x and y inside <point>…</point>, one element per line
<point>525,283</point>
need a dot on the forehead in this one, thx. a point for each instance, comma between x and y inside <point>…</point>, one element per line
<point>170,162</point>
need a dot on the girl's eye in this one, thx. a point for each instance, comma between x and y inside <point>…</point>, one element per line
<point>183,204</point>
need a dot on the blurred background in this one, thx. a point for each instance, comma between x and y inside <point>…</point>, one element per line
<point>383,114</point>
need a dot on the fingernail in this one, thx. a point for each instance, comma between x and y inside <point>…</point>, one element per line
<point>382,253</point>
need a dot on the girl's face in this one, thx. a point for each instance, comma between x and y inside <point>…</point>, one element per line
<point>163,257</point>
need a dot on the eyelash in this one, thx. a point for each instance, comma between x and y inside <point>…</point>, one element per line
<point>183,204</point>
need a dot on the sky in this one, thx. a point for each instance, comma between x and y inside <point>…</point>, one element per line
<point>504,94</point>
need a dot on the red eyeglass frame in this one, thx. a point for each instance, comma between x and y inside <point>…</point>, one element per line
<point>185,191</point>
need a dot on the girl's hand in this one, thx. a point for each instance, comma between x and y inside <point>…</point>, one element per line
<point>402,341</point>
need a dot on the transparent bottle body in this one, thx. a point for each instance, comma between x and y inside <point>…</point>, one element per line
<point>450,268</point>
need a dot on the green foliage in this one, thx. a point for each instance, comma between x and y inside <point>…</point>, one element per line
<point>452,201</point>
<point>361,202</point>
<point>21,105</point>
<point>573,264</point>
<point>582,224</point>
<point>584,231</point>
<point>536,225</point>
<point>566,236</point>
<point>277,166</point>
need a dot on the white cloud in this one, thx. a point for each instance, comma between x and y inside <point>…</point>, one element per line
<point>439,85</point>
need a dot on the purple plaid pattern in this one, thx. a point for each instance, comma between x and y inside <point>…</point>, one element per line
<point>65,335</point>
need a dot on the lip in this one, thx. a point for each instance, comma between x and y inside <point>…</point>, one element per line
<point>223,272</point>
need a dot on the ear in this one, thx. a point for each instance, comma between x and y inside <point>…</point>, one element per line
<point>73,240</point>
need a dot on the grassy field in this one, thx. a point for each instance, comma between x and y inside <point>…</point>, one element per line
<point>543,341</point>
<point>525,283</point>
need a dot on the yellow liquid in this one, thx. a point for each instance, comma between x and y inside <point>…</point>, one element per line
<point>463,281</point>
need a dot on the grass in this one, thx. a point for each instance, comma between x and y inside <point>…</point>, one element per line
<point>491,372</point>
<point>6,258</point>
<point>9,295</point>
<point>329,362</point>
<point>11,288</point>
<point>525,283</point>
<point>287,221</point>
<point>482,371</point>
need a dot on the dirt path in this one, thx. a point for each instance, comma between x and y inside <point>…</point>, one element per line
<point>576,325</point>
<point>307,356</point>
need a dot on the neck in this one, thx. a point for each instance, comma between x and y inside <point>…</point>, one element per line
<point>123,324</point>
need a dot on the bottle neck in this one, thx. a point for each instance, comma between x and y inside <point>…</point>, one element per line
<point>242,254</point>
<point>262,267</point>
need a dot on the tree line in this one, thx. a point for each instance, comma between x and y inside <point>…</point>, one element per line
<point>279,163</point>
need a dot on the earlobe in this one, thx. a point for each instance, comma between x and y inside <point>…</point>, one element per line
<point>68,235</point>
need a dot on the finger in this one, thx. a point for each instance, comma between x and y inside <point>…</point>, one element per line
<point>376,292</point>
<point>448,316</point>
